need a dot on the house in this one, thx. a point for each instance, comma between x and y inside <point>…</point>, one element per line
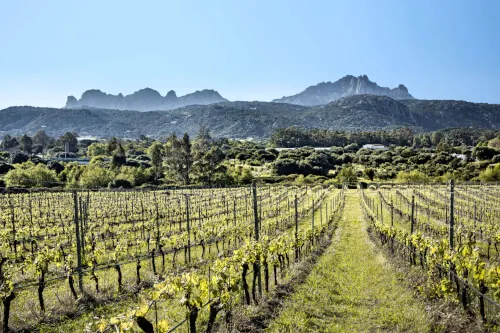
<point>375,146</point>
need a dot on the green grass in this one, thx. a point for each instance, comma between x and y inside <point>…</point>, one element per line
<point>352,288</point>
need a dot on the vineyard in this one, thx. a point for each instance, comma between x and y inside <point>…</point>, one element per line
<point>159,261</point>
<point>176,252</point>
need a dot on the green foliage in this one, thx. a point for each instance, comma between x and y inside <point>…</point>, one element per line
<point>120,183</point>
<point>95,176</point>
<point>414,176</point>
<point>241,175</point>
<point>491,174</point>
<point>70,138</point>
<point>97,149</point>
<point>71,174</point>
<point>347,175</point>
<point>179,158</point>
<point>26,143</point>
<point>156,152</point>
<point>30,175</point>
<point>41,138</point>
<point>483,153</point>
<point>5,167</point>
<point>18,157</point>
<point>119,157</point>
<point>136,176</point>
<point>9,142</point>
<point>370,173</point>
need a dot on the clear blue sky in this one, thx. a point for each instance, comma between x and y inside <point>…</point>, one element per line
<point>247,50</point>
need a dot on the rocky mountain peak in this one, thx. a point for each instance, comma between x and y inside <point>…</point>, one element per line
<point>349,85</point>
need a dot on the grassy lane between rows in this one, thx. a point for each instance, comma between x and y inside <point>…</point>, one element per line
<point>352,288</point>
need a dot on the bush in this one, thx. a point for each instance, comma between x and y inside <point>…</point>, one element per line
<point>120,183</point>
<point>484,153</point>
<point>18,158</point>
<point>370,173</point>
<point>133,163</point>
<point>144,158</point>
<point>66,155</point>
<point>56,166</point>
<point>352,148</point>
<point>491,174</point>
<point>347,175</point>
<point>414,176</point>
<point>4,168</point>
<point>95,176</point>
<point>31,176</point>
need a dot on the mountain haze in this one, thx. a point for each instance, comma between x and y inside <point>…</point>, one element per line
<point>146,99</point>
<point>326,92</point>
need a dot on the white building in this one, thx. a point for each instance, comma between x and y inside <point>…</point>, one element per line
<point>375,146</point>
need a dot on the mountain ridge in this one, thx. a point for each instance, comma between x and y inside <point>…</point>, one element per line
<point>254,119</point>
<point>145,99</point>
<point>326,92</point>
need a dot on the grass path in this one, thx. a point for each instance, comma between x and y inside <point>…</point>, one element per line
<point>352,288</point>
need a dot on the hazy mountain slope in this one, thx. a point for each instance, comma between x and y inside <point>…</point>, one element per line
<point>436,114</point>
<point>253,119</point>
<point>349,85</point>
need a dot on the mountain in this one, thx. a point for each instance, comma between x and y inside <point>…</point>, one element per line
<point>326,92</point>
<point>254,119</point>
<point>142,100</point>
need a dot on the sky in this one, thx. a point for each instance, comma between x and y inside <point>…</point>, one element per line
<point>246,50</point>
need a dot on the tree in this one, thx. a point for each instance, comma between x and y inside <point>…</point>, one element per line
<point>26,143</point>
<point>207,157</point>
<point>178,158</point>
<point>187,158</point>
<point>119,157</point>
<point>71,139</point>
<point>208,164</point>
<point>112,145</point>
<point>436,138</point>
<point>9,142</point>
<point>41,138</point>
<point>155,152</point>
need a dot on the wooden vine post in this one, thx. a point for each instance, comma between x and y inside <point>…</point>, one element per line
<point>312,223</point>
<point>412,219</point>
<point>296,229</point>
<point>256,230</point>
<point>392,213</point>
<point>452,215</point>
<point>78,243</point>
<point>188,226</point>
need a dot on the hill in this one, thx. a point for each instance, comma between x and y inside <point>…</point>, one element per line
<point>254,119</point>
